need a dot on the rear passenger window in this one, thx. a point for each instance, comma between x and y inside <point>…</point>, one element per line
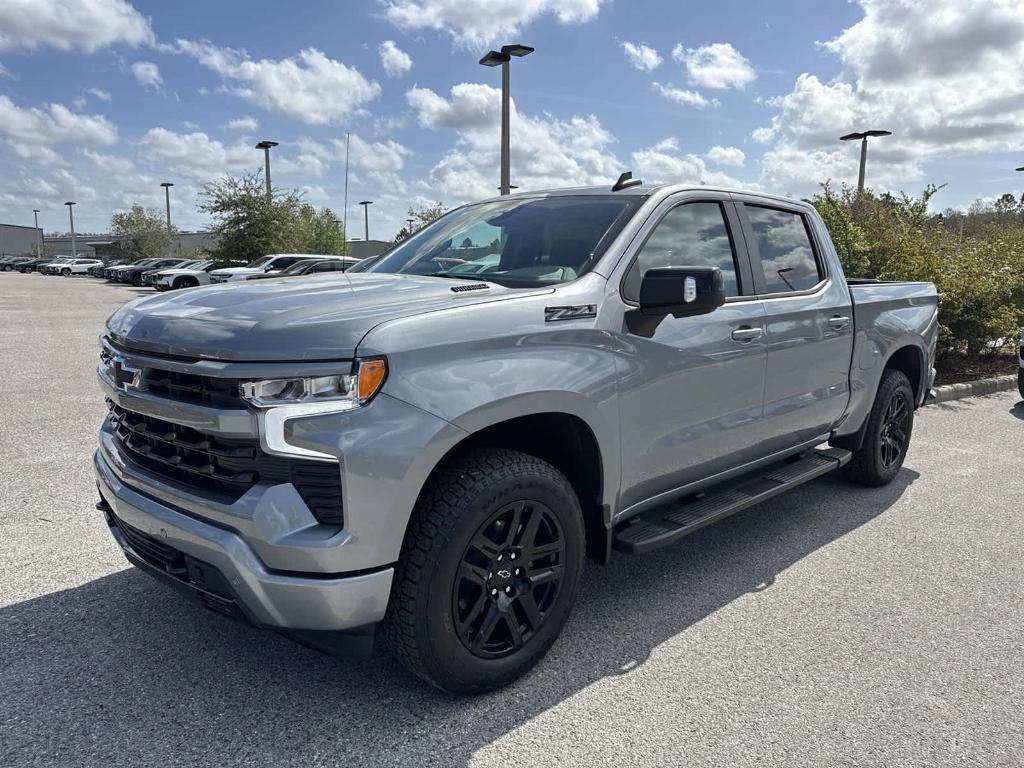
<point>692,235</point>
<point>784,246</point>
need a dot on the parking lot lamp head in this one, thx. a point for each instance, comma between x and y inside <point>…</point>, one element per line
<point>863,137</point>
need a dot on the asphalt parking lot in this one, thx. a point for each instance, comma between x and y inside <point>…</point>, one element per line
<point>833,626</point>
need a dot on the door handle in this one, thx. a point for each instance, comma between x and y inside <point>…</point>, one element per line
<point>838,322</point>
<point>746,333</point>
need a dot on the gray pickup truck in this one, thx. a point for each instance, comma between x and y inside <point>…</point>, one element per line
<point>431,446</point>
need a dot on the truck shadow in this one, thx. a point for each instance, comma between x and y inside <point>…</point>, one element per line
<point>123,671</point>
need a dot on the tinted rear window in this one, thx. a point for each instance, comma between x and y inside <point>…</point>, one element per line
<point>785,249</point>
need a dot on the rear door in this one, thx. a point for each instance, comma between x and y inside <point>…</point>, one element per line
<point>691,396</point>
<point>809,321</point>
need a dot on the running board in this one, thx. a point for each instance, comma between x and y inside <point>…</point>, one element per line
<point>673,521</point>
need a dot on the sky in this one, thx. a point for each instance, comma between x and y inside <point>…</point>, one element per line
<point>102,100</point>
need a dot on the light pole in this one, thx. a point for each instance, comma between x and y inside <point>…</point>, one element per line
<point>71,214</point>
<point>167,195</point>
<point>39,242</point>
<point>265,146</point>
<point>366,217</point>
<point>493,59</point>
<point>863,136</point>
<point>344,213</point>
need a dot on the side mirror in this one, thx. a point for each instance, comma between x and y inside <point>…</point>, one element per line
<point>268,267</point>
<point>681,291</point>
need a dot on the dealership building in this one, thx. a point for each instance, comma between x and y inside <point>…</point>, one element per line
<point>16,240</point>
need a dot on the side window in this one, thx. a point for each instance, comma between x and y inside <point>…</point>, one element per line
<point>785,249</point>
<point>284,263</point>
<point>692,235</point>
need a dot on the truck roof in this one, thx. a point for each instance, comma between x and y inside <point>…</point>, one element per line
<point>644,189</point>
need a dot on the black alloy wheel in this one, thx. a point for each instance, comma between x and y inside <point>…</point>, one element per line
<point>893,438</point>
<point>508,579</point>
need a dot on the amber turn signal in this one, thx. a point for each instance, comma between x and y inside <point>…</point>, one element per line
<point>370,377</point>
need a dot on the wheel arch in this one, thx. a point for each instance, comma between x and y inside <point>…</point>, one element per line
<point>565,440</point>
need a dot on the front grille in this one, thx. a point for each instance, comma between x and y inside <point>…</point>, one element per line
<point>223,467</point>
<point>202,390</point>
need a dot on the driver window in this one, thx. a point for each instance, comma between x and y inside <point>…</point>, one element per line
<point>692,235</point>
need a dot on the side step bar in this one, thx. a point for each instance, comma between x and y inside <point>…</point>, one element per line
<point>680,518</point>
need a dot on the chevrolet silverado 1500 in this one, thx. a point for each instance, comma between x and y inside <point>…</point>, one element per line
<point>434,449</point>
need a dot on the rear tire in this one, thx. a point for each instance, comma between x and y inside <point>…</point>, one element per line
<point>890,423</point>
<point>488,573</point>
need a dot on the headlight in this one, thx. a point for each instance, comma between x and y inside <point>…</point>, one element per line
<point>354,388</point>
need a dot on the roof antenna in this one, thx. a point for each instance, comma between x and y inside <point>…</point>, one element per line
<point>626,181</point>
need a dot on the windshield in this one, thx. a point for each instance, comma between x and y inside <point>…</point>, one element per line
<point>260,262</point>
<point>299,267</point>
<point>517,242</point>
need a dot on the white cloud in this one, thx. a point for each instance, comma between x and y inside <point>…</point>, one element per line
<point>246,123</point>
<point>641,56</point>
<point>681,96</point>
<point>37,153</point>
<point>110,163</point>
<point>310,87</point>
<point>53,123</point>
<point>395,61</point>
<point>947,78</point>
<point>71,24</point>
<point>718,65</point>
<point>727,156</point>
<point>547,151</point>
<point>482,22</point>
<point>472,105</point>
<point>6,73</point>
<point>99,94</point>
<point>198,156</point>
<point>665,163</point>
<point>147,73</point>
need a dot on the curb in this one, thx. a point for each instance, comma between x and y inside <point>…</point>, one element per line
<point>972,388</point>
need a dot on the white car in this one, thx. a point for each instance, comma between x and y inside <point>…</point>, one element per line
<point>185,277</point>
<point>68,267</point>
<point>272,264</point>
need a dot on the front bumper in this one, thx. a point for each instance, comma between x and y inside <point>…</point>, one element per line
<point>266,597</point>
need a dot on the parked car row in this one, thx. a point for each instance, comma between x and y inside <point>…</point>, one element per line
<point>48,265</point>
<point>165,274</point>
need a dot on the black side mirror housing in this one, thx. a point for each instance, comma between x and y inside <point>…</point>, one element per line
<point>681,291</point>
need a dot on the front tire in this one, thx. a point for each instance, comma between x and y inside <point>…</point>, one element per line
<point>489,571</point>
<point>890,423</point>
<point>65,272</point>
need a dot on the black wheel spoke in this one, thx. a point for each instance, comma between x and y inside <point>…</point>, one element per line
<point>491,621</point>
<point>530,611</point>
<point>544,550</point>
<point>553,573</point>
<point>474,573</point>
<point>529,534</point>
<point>479,606</point>
<point>513,629</point>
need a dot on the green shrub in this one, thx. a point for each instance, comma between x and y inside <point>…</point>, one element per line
<point>980,275</point>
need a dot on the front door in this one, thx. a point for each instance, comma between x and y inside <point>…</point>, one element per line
<point>691,395</point>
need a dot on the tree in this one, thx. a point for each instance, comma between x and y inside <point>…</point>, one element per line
<point>248,224</point>
<point>144,234</point>
<point>421,217</point>
<point>322,232</point>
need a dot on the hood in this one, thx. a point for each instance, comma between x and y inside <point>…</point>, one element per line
<point>320,318</point>
<point>176,271</point>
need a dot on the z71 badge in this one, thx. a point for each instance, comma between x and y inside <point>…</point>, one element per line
<point>578,312</point>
